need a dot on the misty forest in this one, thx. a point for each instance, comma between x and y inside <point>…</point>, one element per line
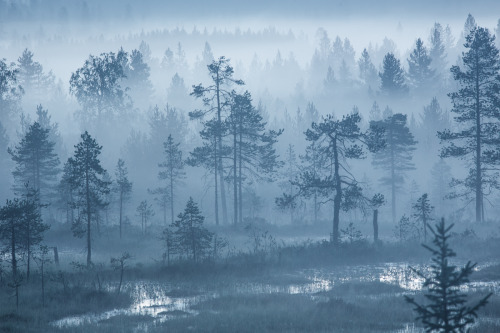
<point>215,166</point>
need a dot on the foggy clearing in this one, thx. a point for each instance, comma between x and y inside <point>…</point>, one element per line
<point>268,166</point>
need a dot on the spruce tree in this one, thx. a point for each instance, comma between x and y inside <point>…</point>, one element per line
<point>36,163</point>
<point>422,211</point>
<point>447,309</point>
<point>190,235</point>
<point>393,81</point>
<point>420,73</point>
<point>475,105</point>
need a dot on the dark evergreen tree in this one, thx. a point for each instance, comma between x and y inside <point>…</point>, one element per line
<point>192,238</point>
<point>86,180</point>
<point>447,309</point>
<point>36,163</point>
<point>476,106</point>
<point>393,82</point>
<point>396,157</point>
<point>422,211</point>
<point>420,73</point>
<point>123,187</point>
<point>216,97</point>
<point>172,169</point>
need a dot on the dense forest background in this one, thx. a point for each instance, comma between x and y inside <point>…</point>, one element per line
<point>296,74</point>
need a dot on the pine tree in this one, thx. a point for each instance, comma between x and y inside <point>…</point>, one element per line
<point>253,154</point>
<point>447,310</point>
<point>36,163</point>
<point>123,187</point>
<point>476,107</point>
<point>393,77</point>
<point>422,211</point>
<point>190,235</point>
<point>342,140</point>
<point>396,156</point>
<point>86,180</point>
<point>420,73</point>
<point>172,169</point>
<point>216,97</point>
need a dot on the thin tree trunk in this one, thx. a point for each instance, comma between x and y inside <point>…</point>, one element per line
<point>43,282</point>
<point>375,226</point>
<point>479,194</point>
<point>240,176</point>
<point>393,184</point>
<point>235,178</point>
<point>221,170</point>
<point>121,209</point>
<point>171,194</point>
<point>337,198</point>
<point>13,248</point>
<point>216,188</point>
<point>89,249</point>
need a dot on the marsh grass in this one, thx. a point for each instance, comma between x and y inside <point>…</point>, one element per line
<point>292,313</point>
<point>73,299</point>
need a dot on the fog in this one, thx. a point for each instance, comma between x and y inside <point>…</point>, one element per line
<point>280,219</point>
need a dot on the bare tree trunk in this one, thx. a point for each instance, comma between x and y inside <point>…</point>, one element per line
<point>337,198</point>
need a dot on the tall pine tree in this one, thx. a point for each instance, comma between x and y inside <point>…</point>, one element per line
<point>476,105</point>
